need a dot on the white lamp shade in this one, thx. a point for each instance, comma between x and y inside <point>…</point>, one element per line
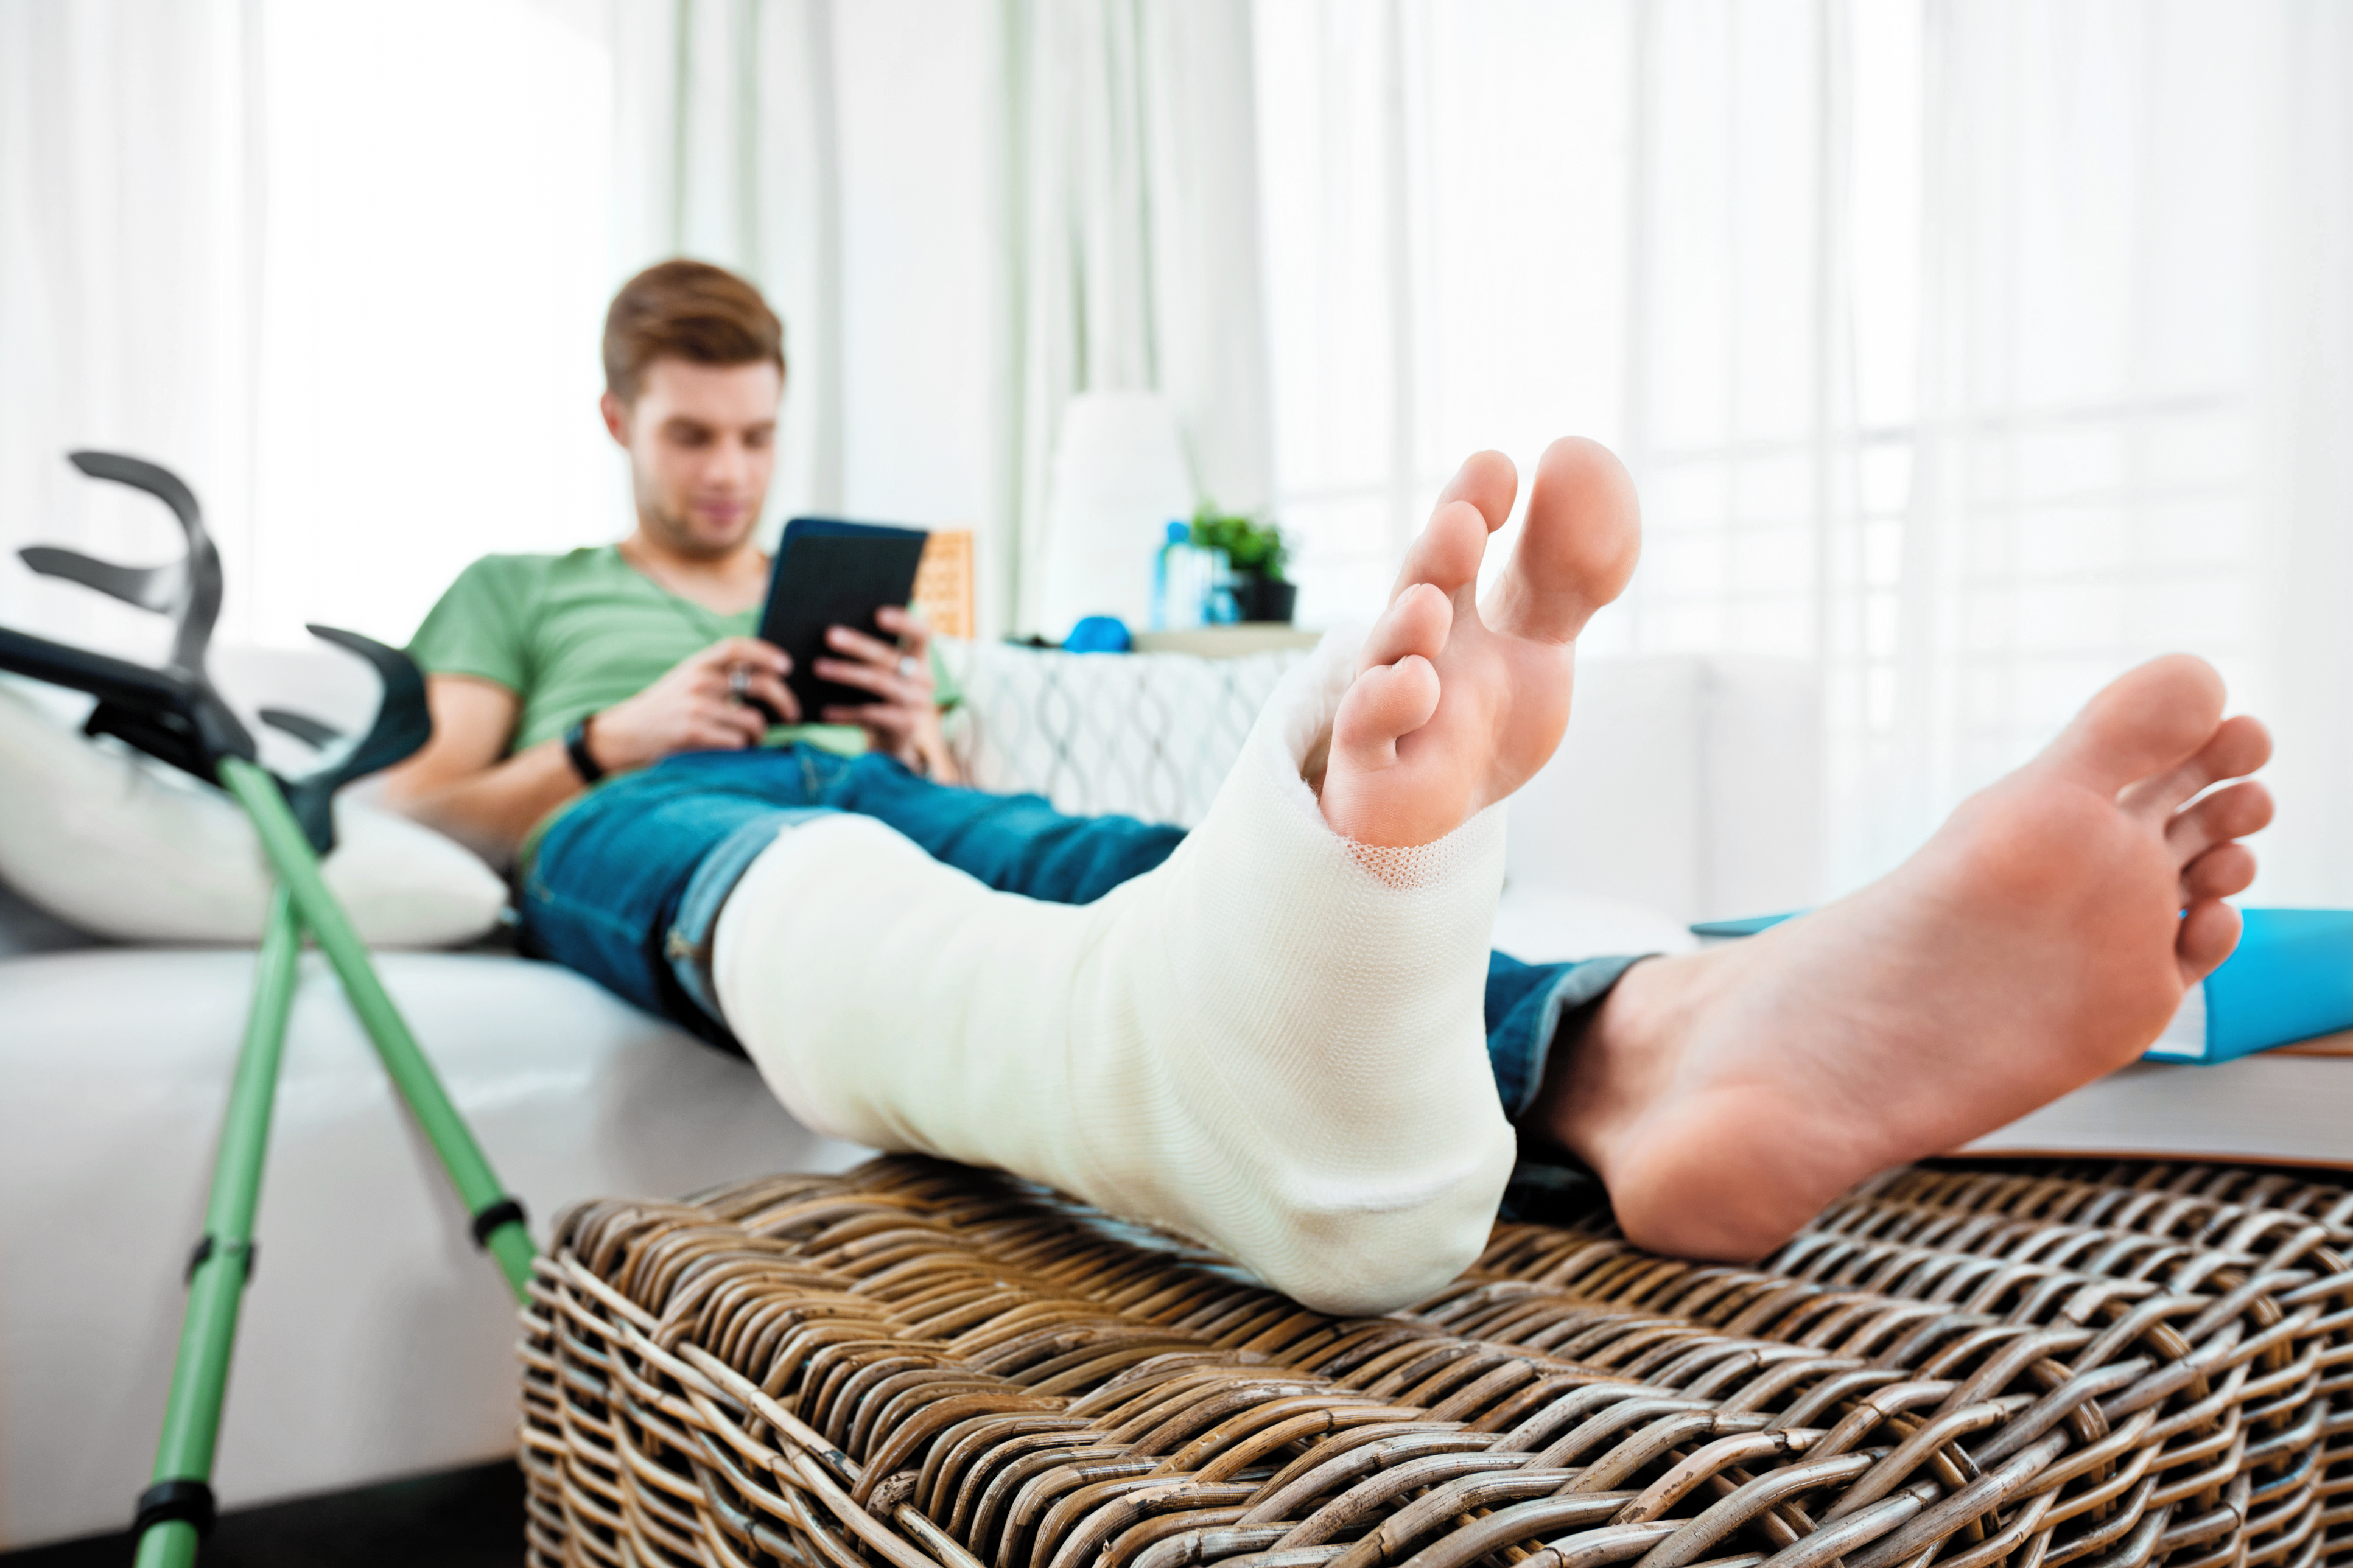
<point>1119,478</point>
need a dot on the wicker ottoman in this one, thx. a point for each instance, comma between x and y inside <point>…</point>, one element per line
<point>923,1366</point>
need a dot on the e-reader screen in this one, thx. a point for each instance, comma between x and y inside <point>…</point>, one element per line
<point>834,574</point>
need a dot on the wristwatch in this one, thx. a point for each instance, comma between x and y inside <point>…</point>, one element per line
<point>576,746</point>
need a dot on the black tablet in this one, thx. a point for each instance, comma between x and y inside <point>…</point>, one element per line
<point>829,572</point>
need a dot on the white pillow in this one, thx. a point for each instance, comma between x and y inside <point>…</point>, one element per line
<point>125,848</point>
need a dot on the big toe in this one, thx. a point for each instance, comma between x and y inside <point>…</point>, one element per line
<point>2145,721</point>
<point>1577,548</point>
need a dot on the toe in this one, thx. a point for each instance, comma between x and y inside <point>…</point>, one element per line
<point>2146,721</point>
<point>1416,623</point>
<point>1488,481</point>
<point>1447,551</point>
<point>2244,808</point>
<point>2238,747</point>
<point>1576,549</point>
<point>1382,704</point>
<point>2222,872</point>
<point>2208,932</point>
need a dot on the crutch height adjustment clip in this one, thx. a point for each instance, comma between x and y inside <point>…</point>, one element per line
<point>167,1500</point>
<point>488,1219</point>
<point>209,1244</point>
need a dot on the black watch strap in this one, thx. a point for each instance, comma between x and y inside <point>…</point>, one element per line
<point>576,746</point>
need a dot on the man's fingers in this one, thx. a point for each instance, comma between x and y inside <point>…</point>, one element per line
<point>737,724</point>
<point>755,651</point>
<point>884,682</point>
<point>746,725</point>
<point>858,644</point>
<point>750,651</point>
<point>772,690</point>
<point>713,735</point>
<point>913,632</point>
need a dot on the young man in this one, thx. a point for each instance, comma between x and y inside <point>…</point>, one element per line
<point>1282,1034</point>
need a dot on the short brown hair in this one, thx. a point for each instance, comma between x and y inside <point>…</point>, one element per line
<point>694,311</point>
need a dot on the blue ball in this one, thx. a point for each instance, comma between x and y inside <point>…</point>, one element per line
<point>1098,634</point>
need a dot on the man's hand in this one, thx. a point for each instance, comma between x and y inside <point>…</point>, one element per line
<point>905,722</point>
<point>464,782</point>
<point>703,704</point>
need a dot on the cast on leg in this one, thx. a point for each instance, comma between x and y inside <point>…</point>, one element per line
<point>1274,1040</point>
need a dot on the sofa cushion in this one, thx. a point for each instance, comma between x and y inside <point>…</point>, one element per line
<point>26,927</point>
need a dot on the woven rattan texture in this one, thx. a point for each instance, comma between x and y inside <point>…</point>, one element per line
<point>926,1367</point>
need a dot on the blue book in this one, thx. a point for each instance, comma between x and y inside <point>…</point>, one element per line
<point>2290,978</point>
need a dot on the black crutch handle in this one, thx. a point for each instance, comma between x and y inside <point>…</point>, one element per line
<point>402,725</point>
<point>162,711</point>
<point>187,590</point>
<point>174,714</point>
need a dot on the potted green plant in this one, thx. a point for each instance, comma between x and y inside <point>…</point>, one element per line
<point>1254,550</point>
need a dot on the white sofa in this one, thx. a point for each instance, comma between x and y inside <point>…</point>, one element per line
<point>377,1342</point>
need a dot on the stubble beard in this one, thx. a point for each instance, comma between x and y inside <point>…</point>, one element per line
<point>677,535</point>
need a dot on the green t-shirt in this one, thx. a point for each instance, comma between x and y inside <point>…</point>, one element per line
<point>576,633</point>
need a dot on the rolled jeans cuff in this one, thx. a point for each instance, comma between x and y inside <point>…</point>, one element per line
<point>1557,1187</point>
<point>686,946</point>
<point>1520,1048</point>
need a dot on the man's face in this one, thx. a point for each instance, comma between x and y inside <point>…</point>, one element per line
<point>702,440</point>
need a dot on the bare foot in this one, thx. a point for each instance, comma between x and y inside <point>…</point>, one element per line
<point>2043,937</point>
<point>1456,704</point>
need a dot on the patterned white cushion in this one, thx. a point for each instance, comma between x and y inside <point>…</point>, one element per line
<point>1686,788</point>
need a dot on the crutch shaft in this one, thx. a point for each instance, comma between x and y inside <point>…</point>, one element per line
<point>184,1453</point>
<point>298,869</point>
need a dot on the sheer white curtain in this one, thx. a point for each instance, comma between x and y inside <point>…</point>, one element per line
<point>131,230</point>
<point>725,148</point>
<point>1129,240</point>
<point>2132,421</point>
<point>344,267</point>
<point>1444,189</point>
<point>333,265</point>
<point>1973,349</point>
<point>2085,459</point>
<point>2303,458</point>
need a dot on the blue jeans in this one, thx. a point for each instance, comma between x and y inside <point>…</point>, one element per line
<point>627,885</point>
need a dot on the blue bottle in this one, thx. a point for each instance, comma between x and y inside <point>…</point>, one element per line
<point>1172,582</point>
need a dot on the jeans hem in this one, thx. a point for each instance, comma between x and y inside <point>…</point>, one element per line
<point>1580,985</point>
<point>686,945</point>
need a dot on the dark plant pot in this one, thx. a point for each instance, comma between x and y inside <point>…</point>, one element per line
<point>1258,598</point>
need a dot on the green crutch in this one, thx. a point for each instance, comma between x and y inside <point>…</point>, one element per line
<point>174,713</point>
